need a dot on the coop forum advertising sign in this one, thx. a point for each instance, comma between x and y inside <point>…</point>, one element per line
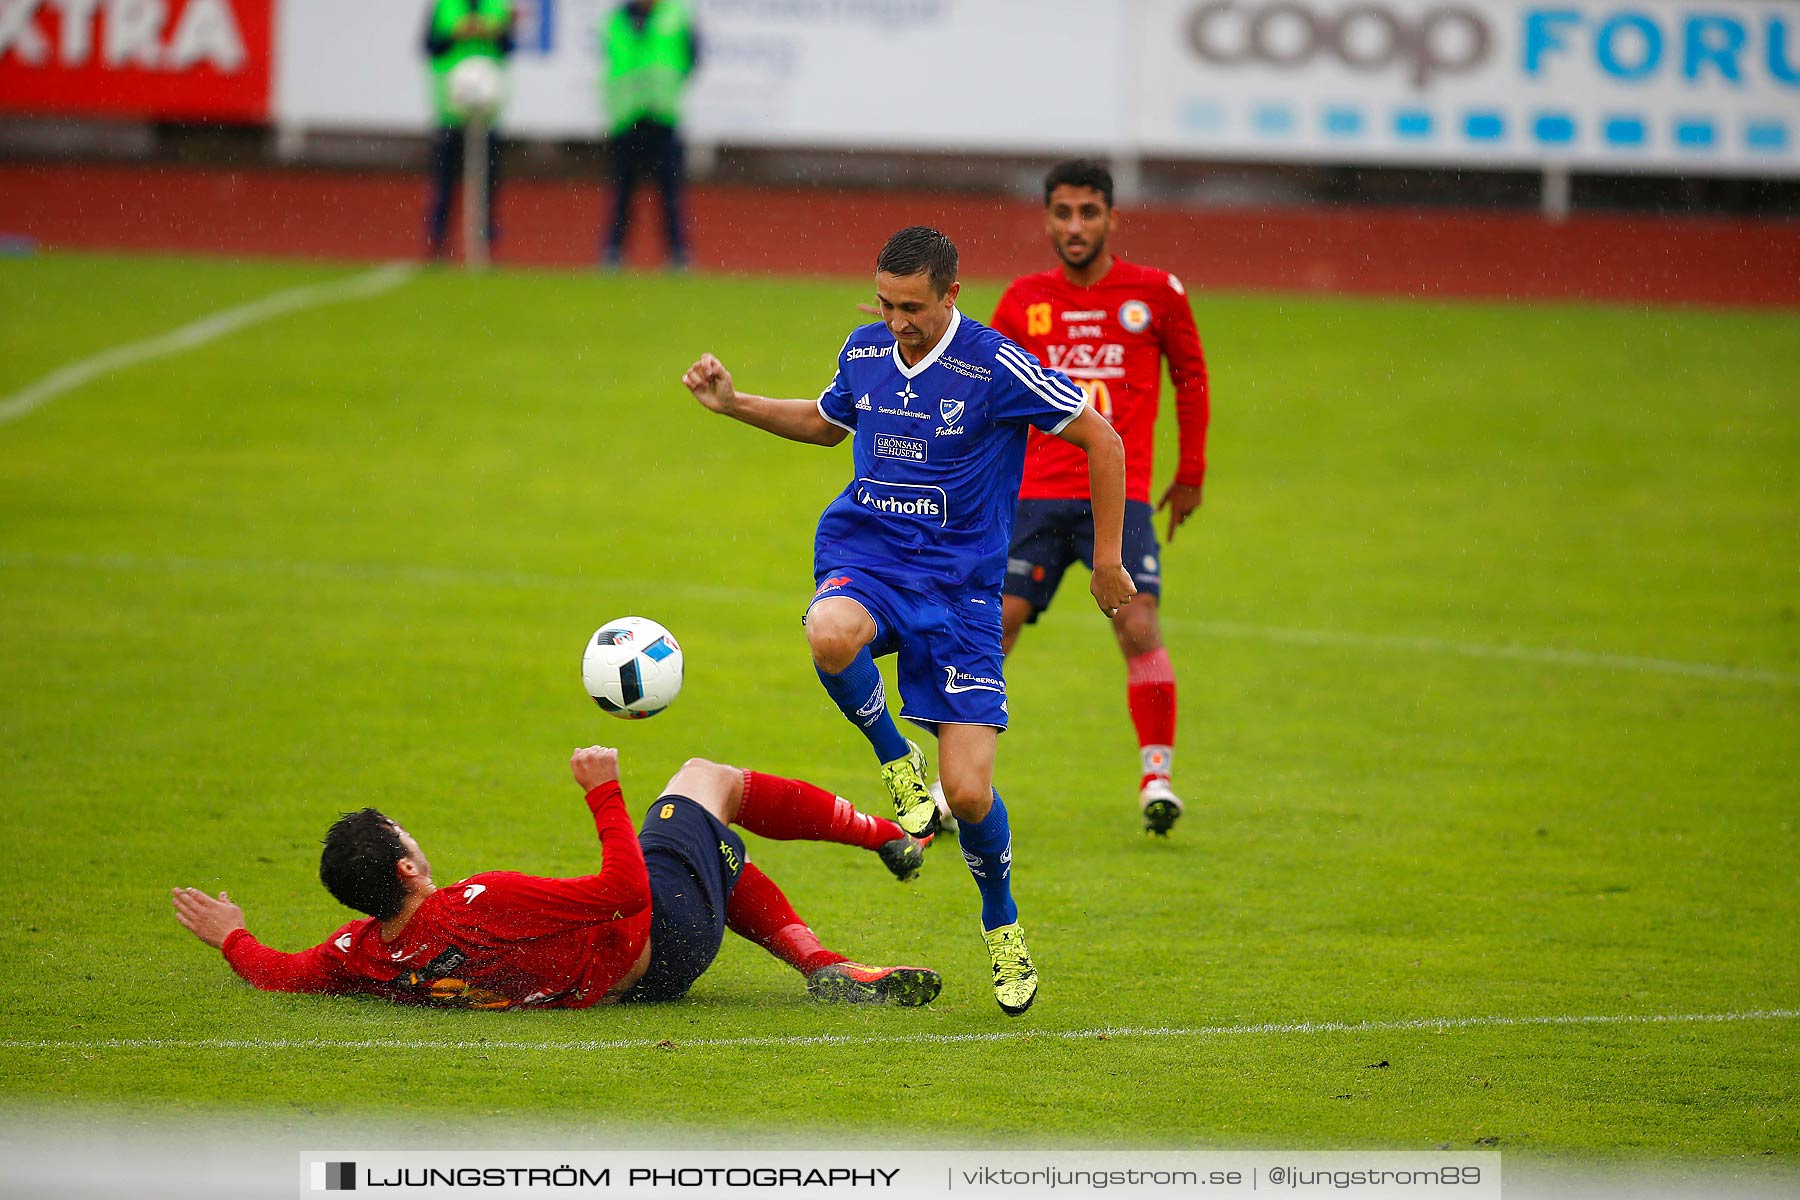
<point>1616,85</point>
<point>1652,85</point>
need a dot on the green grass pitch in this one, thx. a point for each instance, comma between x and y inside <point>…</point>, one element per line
<point>1489,659</point>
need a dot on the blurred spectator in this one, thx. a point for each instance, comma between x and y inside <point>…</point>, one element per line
<point>650,48</point>
<point>454,31</point>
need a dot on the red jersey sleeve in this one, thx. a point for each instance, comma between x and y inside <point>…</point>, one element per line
<point>321,969</point>
<point>1187,368</point>
<point>537,906</point>
<point>1009,316</point>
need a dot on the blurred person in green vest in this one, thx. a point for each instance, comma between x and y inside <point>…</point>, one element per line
<point>456,30</point>
<point>650,48</point>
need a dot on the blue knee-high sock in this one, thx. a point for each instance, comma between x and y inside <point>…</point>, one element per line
<point>987,848</point>
<point>862,697</point>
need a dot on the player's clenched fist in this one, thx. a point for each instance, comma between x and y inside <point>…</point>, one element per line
<point>711,383</point>
<point>595,765</point>
<point>1112,588</point>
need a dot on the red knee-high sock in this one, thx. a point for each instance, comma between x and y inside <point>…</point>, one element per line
<point>1150,694</point>
<point>759,911</point>
<point>790,809</point>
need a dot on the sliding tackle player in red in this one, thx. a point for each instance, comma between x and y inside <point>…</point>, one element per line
<point>1108,325</point>
<point>643,928</point>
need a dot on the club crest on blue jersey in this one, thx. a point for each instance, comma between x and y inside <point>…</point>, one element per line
<point>951,411</point>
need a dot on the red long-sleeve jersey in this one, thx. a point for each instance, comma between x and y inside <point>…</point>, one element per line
<point>1111,339</point>
<point>495,940</point>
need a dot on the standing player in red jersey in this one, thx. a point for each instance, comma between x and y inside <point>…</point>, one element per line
<point>1107,324</point>
<point>644,928</point>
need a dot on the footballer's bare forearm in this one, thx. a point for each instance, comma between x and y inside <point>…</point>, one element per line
<point>1106,487</point>
<point>796,420</point>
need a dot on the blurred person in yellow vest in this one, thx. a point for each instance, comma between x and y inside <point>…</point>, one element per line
<point>650,49</point>
<point>455,31</point>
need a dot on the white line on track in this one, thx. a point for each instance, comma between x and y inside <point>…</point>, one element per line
<point>199,333</point>
<point>723,594</point>
<point>1100,1033</point>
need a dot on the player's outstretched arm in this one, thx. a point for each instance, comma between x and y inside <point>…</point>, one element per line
<point>1112,587</point>
<point>211,920</point>
<point>220,924</point>
<point>796,420</point>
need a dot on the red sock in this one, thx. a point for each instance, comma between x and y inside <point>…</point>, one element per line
<point>1150,694</point>
<point>790,809</point>
<point>760,912</point>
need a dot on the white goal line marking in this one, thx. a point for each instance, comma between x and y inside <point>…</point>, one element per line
<point>459,576</point>
<point>199,333</point>
<point>1100,1033</point>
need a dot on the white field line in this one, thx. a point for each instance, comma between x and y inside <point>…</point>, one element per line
<point>1100,1033</point>
<point>722,594</point>
<point>1543,654</point>
<point>199,333</point>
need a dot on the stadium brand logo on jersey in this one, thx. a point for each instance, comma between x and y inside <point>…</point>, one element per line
<point>904,500</point>
<point>1084,314</point>
<point>906,394</point>
<point>956,681</point>
<point>1134,315</point>
<point>867,352</point>
<point>863,403</point>
<point>889,445</point>
<point>967,369</point>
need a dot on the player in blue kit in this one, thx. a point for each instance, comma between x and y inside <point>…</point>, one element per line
<point>910,556</point>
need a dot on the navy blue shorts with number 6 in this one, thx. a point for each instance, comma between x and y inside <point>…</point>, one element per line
<point>694,861</point>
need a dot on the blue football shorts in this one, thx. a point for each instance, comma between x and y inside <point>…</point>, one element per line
<point>948,647</point>
<point>1048,535</point>
<point>694,861</point>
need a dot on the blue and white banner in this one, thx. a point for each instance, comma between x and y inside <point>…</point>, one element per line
<point>1654,85</point>
<point>1708,87</point>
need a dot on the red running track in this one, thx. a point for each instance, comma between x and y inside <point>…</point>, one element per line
<point>811,231</point>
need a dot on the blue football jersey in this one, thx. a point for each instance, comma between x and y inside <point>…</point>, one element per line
<point>938,452</point>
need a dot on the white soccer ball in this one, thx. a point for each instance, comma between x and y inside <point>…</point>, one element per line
<point>632,668</point>
<point>475,87</point>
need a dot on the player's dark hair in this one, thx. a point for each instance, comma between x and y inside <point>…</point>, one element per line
<point>1081,173</point>
<point>357,867</point>
<point>920,248</point>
